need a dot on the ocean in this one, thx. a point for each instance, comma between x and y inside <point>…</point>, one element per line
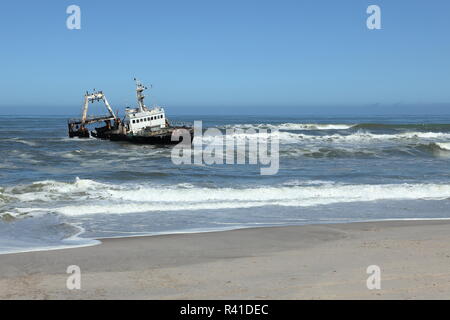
<point>59,192</point>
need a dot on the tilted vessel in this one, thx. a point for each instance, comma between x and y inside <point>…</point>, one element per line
<point>139,125</point>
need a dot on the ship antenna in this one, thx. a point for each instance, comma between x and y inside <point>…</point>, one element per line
<point>139,94</point>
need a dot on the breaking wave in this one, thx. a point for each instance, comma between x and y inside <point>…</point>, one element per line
<point>291,126</point>
<point>343,126</point>
<point>358,137</point>
<point>444,146</point>
<point>413,126</point>
<point>367,150</point>
<point>87,197</point>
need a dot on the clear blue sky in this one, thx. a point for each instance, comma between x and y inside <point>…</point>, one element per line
<point>217,56</point>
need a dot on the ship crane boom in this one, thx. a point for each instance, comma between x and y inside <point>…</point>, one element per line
<point>93,97</point>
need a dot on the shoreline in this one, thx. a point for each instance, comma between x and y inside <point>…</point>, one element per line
<point>98,240</point>
<point>322,261</point>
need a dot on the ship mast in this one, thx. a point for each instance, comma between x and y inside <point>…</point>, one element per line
<point>139,94</point>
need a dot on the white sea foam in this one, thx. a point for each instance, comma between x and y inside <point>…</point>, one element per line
<point>8,245</point>
<point>359,137</point>
<point>49,190</point>
<point>444,145</point>
<point>292,126</point>
<point>26,142</point>
<point>113,199</point>
<point>299,126</point>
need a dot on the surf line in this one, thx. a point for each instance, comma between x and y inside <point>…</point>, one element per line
<point>236,146</point>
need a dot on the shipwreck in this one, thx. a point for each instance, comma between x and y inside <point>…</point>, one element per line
<point>139,125</point>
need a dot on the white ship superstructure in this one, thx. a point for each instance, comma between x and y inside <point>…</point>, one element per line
<point>142,117</point>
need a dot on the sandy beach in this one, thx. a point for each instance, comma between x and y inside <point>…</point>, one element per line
<point>298,262</point>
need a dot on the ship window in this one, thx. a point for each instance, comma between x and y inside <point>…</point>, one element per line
<point>134,121</point>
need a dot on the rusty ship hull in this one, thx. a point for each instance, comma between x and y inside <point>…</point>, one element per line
<point>160,137</point>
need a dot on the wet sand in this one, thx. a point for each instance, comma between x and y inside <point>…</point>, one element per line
<point>297,262</point>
